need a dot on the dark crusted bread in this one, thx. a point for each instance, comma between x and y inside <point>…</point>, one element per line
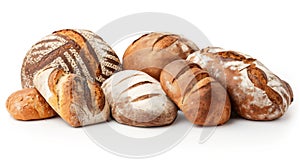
<point>76,51</point>
<point>256,93</point>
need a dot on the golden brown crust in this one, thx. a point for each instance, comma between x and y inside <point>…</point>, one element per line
<point>67,95</point>
<point>151,52</point>
<point>54,78</point>
<point>28,104</point>
<point>97,96</point>
<point>77,101</point>
<point>181,77</point>
<point>202,99</point>
<point>207,104</point>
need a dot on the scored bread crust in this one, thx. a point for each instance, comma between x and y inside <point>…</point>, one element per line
<point>152,51</point>
<point>75,51</point>
<point>256,93</point>
<point>137,99</point>
<point>78,101</point>
<point>28,104</point>
<point>202,99</point>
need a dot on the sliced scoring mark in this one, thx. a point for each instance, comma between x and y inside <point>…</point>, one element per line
<point>260,80</point>
<point>169,39</point>
<point>140,38</point>
<point>147,96</point>
<point>128,77</point>
<point>136,85</point>
<point>52,56</point>
<point>86,51</point>
<point>235,56</point>
<point>185,69</point>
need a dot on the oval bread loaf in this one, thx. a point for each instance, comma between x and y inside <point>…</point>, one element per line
<point>256,93</point>
<point>76,100</point>
<point>137,99</point>
<point>202,99</point>
<point>151,52</point>
<point>76,51</point>
<point>28,104</point>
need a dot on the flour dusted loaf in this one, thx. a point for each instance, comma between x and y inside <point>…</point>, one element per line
<point>202,99</point>
<point>78,101</point>
<point>151,52</point>
<point>137,99</point>
<point>28,104</point>
<point>256,93</point>
<point>76,51</point>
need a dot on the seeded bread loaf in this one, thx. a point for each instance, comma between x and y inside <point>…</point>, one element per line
<point>203,100</point>
<point>151,52</point>
<point>76,51</point>
<point>76,100</point>
<point>137,99</point>
<point>256,93</point>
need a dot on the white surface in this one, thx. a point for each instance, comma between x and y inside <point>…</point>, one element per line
<point>268,30</point>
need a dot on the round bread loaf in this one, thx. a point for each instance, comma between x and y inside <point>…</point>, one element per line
<point>137,99</point>
<point>203,100</point>
<point>28,104</point>
<point>76,51</point>
<point>151,52</point>
<point>256,93</point>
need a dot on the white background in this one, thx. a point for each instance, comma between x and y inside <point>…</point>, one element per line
<point>268,30</point>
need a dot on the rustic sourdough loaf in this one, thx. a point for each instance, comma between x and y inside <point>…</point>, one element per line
<point>137,99</point>
<point>78,101</point>
<point>256,93</point>
<point>151,52</point>
<point>76,51</point>
<point>203,100</point>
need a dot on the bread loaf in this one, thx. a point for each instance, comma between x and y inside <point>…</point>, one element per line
<point>151,52</point>
<point>76,51</point>
<point>256,93</point>
<point>137,99</point>
<point>201,98</point>
<point>77,100</point>
<point>28,104</point>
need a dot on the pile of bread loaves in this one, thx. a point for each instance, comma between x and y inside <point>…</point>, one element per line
<point>75,74</point>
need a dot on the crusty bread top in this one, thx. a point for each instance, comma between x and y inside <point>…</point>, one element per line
<point>151,52</point>
<point>179,77</point>
<point>76,51</point>
<point>162,40</point>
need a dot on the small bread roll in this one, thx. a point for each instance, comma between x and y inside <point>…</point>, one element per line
<point>76,100</point>
<point>203,100</point>
<point>256,92</point>
<point>151,52</point>
<point>28,104</point>
<point>137,99</point>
